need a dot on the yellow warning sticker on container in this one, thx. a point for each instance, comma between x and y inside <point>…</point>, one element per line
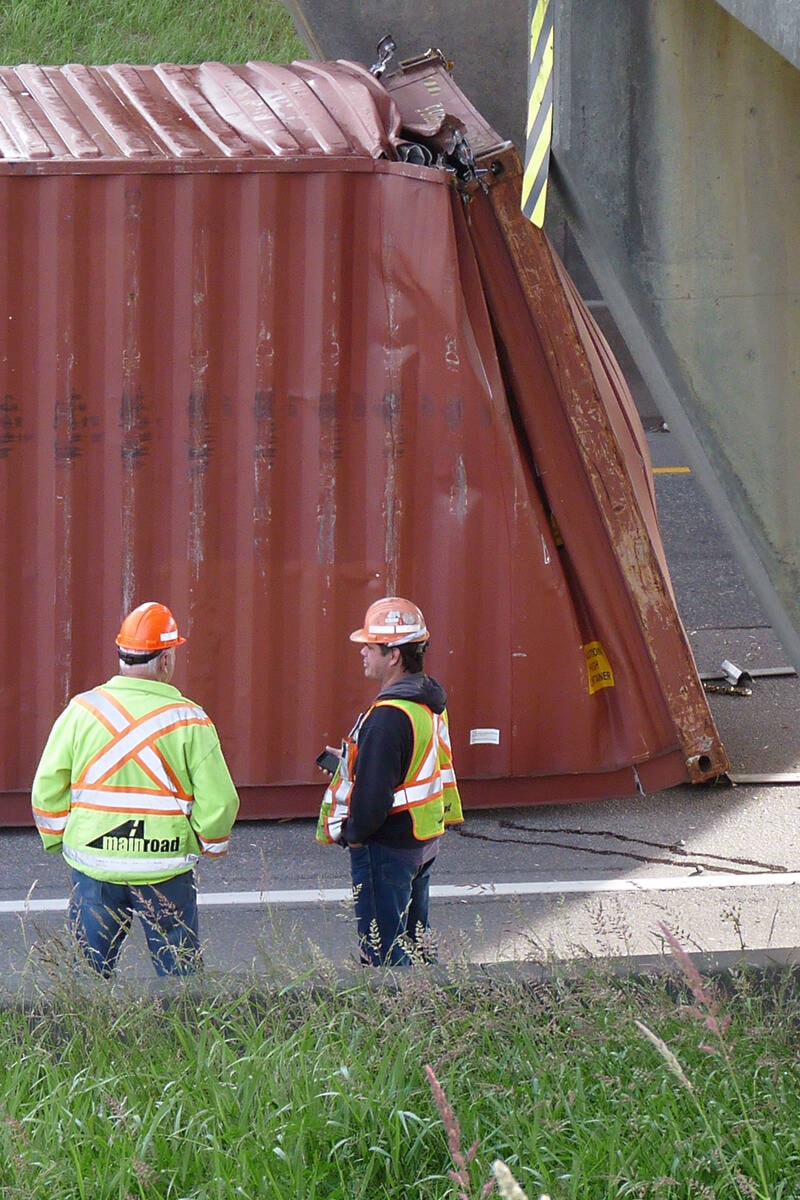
<point>598,668</point>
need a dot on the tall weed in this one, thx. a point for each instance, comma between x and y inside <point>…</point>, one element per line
<point>744,1171</point>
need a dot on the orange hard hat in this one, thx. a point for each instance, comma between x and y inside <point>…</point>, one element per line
<point>148,628</point>
<point>392,621</point>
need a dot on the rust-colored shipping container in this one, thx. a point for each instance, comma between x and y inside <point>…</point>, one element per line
<point>260,364</point>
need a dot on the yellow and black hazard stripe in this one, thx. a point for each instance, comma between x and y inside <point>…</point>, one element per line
<point>540,112</point>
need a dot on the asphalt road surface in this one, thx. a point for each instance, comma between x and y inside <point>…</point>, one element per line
<point>719,865</point>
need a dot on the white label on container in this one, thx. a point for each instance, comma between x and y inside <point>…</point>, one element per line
<point>484,736</point>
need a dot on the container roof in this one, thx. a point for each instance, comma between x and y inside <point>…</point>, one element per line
<point>192,114</point>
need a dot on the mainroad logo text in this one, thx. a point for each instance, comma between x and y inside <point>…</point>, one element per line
<point>129,838</point>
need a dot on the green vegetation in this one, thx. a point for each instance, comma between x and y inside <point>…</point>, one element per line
<point>584,1089</point>
<point>54,32</point>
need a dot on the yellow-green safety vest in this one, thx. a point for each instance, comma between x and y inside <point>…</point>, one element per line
<point>429,791</point>
<point>115,789</point>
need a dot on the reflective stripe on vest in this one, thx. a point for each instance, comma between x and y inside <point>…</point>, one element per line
<point>50,822</point>
<point>220,846</point>
<point>132,868</point>
<point>427,784</point>
<point>134,740</point>
<point>114,716</point>
<point>127,801</point>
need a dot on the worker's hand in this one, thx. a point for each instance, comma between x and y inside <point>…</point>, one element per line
<point>329,760</point>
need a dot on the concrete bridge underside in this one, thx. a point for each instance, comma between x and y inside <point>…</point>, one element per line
<point>674,201</point>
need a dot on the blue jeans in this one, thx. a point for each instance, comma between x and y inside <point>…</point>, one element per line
<point>391,897</point>
<point>100,916</point>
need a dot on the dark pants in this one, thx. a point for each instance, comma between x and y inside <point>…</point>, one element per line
<point>100,915</point>
<point>391,897</point>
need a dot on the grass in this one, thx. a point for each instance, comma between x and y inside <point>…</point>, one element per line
<point>332,1092</point>
<point>55,32</point>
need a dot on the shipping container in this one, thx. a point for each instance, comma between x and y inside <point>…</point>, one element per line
<point>277,341</point>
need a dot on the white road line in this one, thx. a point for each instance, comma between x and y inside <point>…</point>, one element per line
<point>467,891</point>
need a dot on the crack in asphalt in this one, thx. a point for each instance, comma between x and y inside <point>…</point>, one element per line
<point>728,864</point>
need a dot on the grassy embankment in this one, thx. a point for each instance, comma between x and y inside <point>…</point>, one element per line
<point>145,31</point>
<point>590,1089</point>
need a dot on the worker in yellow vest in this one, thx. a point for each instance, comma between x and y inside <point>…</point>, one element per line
<point>393,790</point>
<point>133,788</point>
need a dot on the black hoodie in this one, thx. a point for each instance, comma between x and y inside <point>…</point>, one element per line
<point>385,749</point>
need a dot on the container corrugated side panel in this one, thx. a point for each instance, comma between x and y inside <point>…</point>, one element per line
<point>267,399</point>
<point>267,390</point>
